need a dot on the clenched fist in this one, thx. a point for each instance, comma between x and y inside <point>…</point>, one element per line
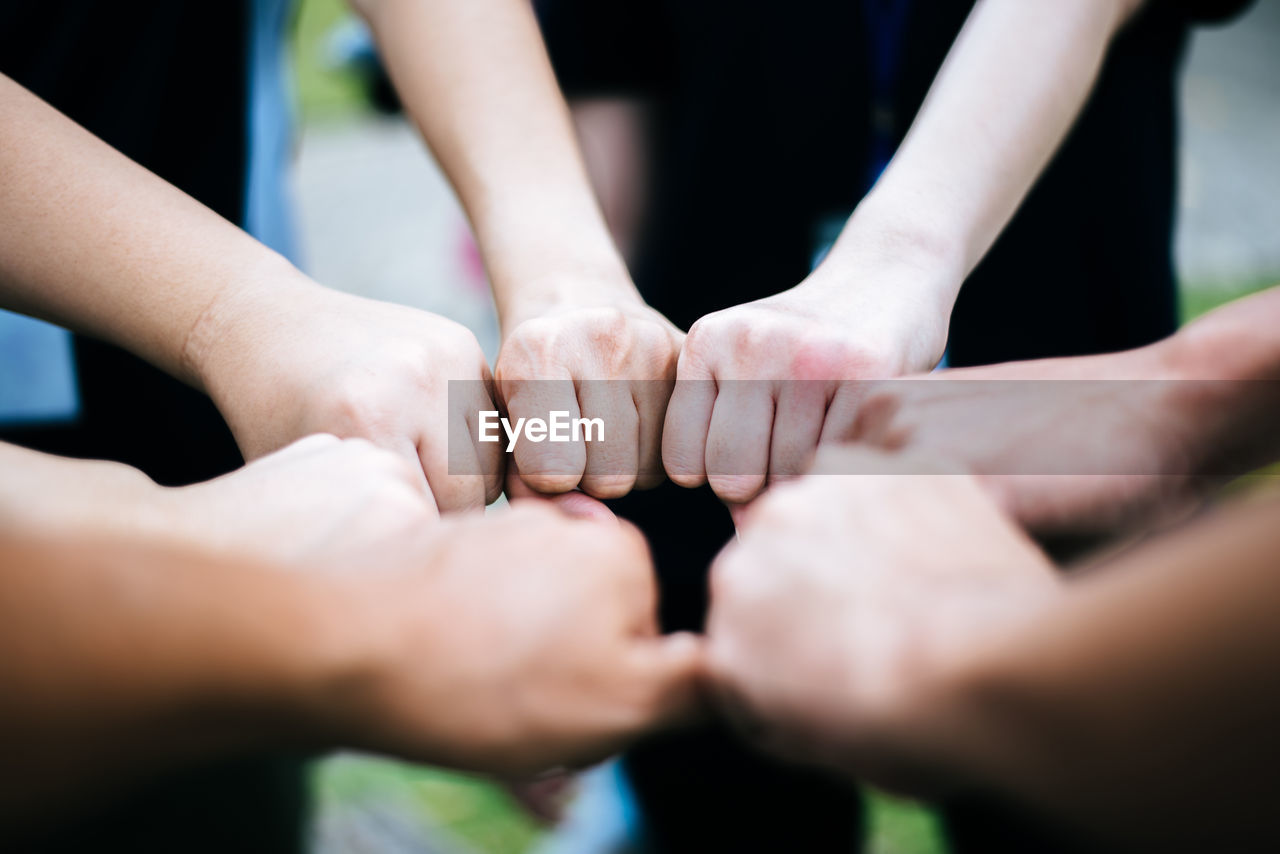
<point>526,640</point>
<point>846,596</point>
<point>285,362</point>
<point>761,385</point>
<point>611,359</point>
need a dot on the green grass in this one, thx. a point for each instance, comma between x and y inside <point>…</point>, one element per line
<point>467,808</point>
<point>481,815</point>
<point>1197,298</point>
<point>324,94</point>
<point>902,827</point>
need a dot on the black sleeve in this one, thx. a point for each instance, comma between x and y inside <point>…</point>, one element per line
<point>1213,11</point>
<point>608,47</point>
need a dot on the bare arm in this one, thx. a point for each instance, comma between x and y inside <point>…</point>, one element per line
<point>93,241</point>
<point>879,305</point>
<point>1140,709</point>
<point>476,79</point>
<point>1132,704</point>
<point>1010,89</point>
<point>1097,444</point>
<point>129,649</point>
<point>308,600</point>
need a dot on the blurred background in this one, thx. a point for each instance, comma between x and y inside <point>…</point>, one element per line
<point>378,219</point>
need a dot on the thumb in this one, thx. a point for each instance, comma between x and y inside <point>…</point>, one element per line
<point>674,667</point>
<point>577,505</point>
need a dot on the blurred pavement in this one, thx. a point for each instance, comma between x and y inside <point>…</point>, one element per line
<point>1229,218</point>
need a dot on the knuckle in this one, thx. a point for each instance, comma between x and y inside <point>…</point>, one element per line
<point>355,409</point>
<point>726,577</point>
<point>820,360</point>
<point>360,448</point>
<point>399,501</point>
<point>607,324</point>
<point>705,331</point>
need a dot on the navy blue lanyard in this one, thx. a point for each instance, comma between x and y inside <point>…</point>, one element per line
<point>886,28</point>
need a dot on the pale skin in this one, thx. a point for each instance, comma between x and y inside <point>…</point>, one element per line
<point>879,304</point>
<point>107,248</point>
<point>1129,708</point>
<point>356,618</point>
<point>476,79</point>
<point>1100,444</point>
<point>283,358</point>
<point>568,309</point>
<point>877,307</point>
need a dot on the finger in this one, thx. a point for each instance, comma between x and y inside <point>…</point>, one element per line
<point>612,463</point>
<point>651,398</point>
<point>574,504</point>
<point>684,431</point>
<point>545,797</point>
<point>547,466</point>
<point>491,456</point>
<point>674,667</point>
<point>730,701</point>
<point>454,493</point>
<point>740,513</point>
<point>414,470</point>
<point>738,439</point>
<point>797,426</point>
<point>842,415</point>
<point>307,445</point>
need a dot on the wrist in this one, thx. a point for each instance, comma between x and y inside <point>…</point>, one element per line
<point>882,233</point>
<point>894,273</point>
<point>561,255</point>
<point>346,687</point>
<point>1226,370</point>
<point>46,497</point>
<point>942,734</point>
<point>568,288</point>
<point>336,664</point>
<point>227,335</point>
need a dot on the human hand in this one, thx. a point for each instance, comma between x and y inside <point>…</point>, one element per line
<point>1074,446</point>
<point>321,504</point>
<point>594,353</point>
<point>835,615</point>
<point>295,359</point>
<point>527,640</point>
<point>761,385</point>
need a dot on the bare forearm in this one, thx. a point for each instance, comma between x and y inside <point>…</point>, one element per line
<point>1010,89</point>
<point>95,242</point>
<point>476,78</point>
<point>1140,708</point>
<point>131,645</point>
<point>1229,363</point>
<point>125,658</point>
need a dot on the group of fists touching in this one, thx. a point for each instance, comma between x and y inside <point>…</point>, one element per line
<point>527,637</point>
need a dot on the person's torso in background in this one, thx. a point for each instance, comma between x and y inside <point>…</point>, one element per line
<point>766,134</point>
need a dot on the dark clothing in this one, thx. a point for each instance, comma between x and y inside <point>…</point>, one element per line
<point>765,115</point>
<point>165,83</point>
<point>764,131</point>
